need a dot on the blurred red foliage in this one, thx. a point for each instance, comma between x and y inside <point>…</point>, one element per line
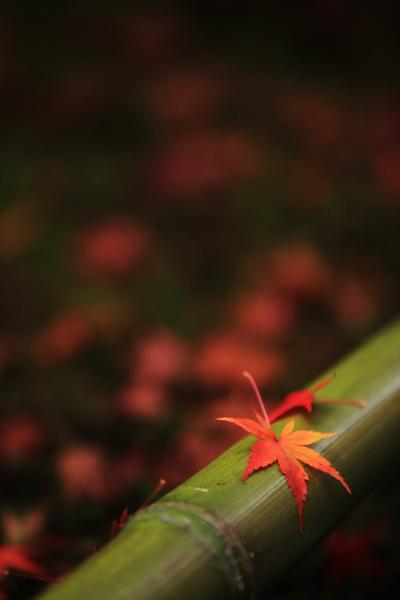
<point>144,399</point>
<point>23,528</point>
<point>203,161</point>
<point>148,148</point>
<point>62,338</point>
<point>6,352</point>
<point>183,96</point>
<point>386,164</point>
<point>82,470</point>
<point>265,314</point>
<point>21,438</point>
<point>16,558</point>
<point>222,358</point>
<point>111,249</point>
<point>148,39</point>
<point>160,357</point>
<point>317,120</point>
<point>355,555</point>
<point>300,270</point>
<point>309,185</point>
<point>357,301</point>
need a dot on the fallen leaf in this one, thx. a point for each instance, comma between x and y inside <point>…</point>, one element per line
<point>306,398</point>
<point>289,451</point>
<point>222,354</point>
<point>83,471</point>
<point>23,528</point>
<point>205,161</point>
<point>356,555</point>
<point>62,339</point>
<point>118,524</point>
<point>160,357</point>
<point>111,249</point>
<point>21,437</point>
<point>300,271</point>
<point>15,558</point>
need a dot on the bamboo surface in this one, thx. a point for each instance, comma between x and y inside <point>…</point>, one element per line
<point>216,536</point>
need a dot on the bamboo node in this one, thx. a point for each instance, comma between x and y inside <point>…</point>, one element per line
<point>215,535</point>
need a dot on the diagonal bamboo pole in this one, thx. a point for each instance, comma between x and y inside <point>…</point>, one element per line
<point>216,536</point>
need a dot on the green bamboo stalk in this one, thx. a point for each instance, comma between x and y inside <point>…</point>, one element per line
<point>216,536</point>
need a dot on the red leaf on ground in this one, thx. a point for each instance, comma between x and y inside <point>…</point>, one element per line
<point>83,471</point>
<point>356,555</point>
<point>221,355</point>
<point>112,248</point>
<point>15,558</point>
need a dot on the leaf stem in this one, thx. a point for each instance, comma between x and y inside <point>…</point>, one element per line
<point>258,396</point>
<point>358,403</point>
<point>323,383</point>
<point>153,494</point>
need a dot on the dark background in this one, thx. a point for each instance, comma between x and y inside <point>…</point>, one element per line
<point>187,190</point>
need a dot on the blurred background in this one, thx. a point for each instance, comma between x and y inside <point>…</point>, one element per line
<point>187,190</point>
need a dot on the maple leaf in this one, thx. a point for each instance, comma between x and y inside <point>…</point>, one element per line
<point>289,450</point>
<point>356,555</point>
<point>15,558</point>
<point>120,522</point>
<point>306,398</point>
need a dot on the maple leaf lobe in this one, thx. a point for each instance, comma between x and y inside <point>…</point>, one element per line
<point>290,450</point>
<point>305,399</point>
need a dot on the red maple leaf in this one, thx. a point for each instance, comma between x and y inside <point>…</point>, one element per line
<point>306,398</point>
<point>356,555</point>
<point>289,451</point>
<point>15,558</point>
<point>118,524</point>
